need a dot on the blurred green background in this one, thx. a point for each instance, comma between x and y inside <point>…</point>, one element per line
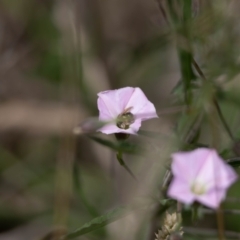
<point>55,56</point>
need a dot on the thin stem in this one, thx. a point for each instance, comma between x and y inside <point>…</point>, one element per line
<point>223,120</point>
<point>210,232</point>
<point>187,10</point>
<point>193,129</point>
<point>179,211</point>
<point>200,72</point>
<point>220,223</point>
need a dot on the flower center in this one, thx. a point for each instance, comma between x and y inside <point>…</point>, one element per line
<point>198,188</point>
<point>125,119</point>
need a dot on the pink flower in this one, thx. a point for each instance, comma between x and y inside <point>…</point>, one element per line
<point>123,110</point>
<point>200,175</point>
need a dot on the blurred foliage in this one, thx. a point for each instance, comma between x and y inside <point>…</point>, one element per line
<point>186,55</point>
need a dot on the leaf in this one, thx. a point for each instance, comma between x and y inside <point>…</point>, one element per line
<point>123,164</point>
<point>122,146</point>
<point>103,220</point>
<point>105,142</point>
<point>130,148</point>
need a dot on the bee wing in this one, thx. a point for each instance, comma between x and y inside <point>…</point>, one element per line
<point>145,115</point>
<point>127,110</point>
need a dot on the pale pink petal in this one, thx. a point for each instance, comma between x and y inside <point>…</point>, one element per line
<point>108,104</point>
<point>209,170</point>
<point>104,113</point>
<point>180,190</point>
<point>142,107</point>
<point>188,164</point>
<point>212,198</point>
<point>123,96</point>
<point>136,125</point>
<point>108,129</point>
<point>216,172</point>
<point>226,175</point>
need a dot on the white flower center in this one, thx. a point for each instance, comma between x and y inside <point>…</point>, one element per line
<point>198,188</point>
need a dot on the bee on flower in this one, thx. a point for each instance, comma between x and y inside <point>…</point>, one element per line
<point>123,110</point>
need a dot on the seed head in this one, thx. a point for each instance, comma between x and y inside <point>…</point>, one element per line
<point>171,227</point>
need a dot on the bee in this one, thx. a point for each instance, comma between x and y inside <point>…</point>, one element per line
<point>125,119</point>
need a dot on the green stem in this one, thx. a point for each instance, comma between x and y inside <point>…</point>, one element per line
<point>220,223</point>
<point>184,53</point>
<point>185,60</point>
<point>187,10</point>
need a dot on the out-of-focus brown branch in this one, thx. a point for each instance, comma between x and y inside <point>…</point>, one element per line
<point>39,117</point>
